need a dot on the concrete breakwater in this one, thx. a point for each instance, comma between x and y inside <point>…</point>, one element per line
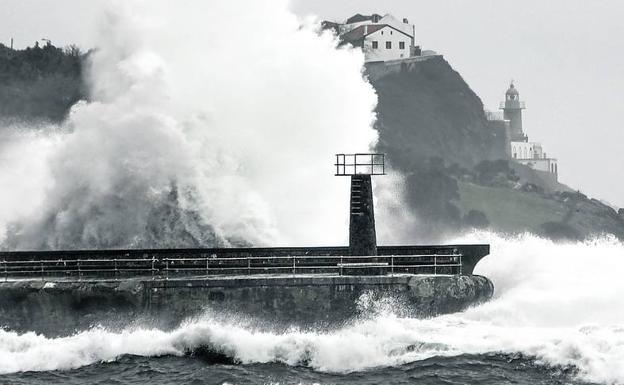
<point>63,307</point>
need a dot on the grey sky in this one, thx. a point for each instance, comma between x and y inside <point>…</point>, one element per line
<point>566,57</point>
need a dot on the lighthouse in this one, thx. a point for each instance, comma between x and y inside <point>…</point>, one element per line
<point>520,149</point>
<point>512,111</point>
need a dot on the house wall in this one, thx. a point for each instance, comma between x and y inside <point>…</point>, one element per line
<point>545,164</point>
<point>387,19</point>
<point>381,53</point>
<point>531,154</point>
<point>398,24</point>
<point>526,150</point>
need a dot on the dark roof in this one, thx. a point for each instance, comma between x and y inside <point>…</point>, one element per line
<point>325,25</point>
<point>512,90</point>
<point>358,18</point>
<point>359,32</point>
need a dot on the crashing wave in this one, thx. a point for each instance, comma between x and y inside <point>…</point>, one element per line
<point>550,304</point>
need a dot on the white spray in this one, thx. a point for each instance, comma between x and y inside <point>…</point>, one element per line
<point>222,117</point>
<point>561,304</point>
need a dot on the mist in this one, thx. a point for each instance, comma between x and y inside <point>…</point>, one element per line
<point>196,134</point>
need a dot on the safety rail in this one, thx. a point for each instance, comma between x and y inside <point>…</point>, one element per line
<point>512,104</point>
<point>360,164</point>
<point>448,264</point>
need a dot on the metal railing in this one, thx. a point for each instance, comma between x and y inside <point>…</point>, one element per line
<point>360,164</point>
<point>512,104</point>
<point>166,268</point>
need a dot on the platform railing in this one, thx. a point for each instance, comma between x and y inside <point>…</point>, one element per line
<point>360,164</point>
<point>166,268</point>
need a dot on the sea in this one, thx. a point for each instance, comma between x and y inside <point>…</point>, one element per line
<point>557,317</point>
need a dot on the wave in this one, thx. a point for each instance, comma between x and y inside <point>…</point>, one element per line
<point>188,137</point>
<point>558,303</point>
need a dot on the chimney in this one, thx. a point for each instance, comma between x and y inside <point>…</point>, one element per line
<point>11,43</point>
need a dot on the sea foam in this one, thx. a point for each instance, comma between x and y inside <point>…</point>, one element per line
<point>558,303</point>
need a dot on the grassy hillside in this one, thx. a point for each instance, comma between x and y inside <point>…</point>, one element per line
<point>510,210</point>
<point>566,215</point>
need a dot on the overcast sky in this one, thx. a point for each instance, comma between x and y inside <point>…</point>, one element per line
<point>566,57</point>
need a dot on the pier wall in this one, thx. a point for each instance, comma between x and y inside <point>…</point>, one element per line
<point>63,307</point>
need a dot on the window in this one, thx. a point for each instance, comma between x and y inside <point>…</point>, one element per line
<point>401,45</point>
<point>375,45</point>
<point>388,45</point>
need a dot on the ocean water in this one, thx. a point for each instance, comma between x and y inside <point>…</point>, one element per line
<point>464,369</point>
<point>557,318</point>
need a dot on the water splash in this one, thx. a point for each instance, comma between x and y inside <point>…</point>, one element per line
<point>228,127</point>
<point>553,302</point>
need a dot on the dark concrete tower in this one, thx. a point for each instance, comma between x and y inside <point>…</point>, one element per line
<point>512,110</point>
<point>360,167</point>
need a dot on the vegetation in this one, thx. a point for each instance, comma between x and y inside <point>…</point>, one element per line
<point>40,83</point>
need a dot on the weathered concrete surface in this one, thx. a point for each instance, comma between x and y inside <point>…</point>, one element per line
<point>62,307</point>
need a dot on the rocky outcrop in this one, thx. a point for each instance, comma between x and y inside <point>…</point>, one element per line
<point>425,109</point>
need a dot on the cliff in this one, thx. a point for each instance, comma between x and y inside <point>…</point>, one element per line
<point>425,110</point>
<point>433,128</point>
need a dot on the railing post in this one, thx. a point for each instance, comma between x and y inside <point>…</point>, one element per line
<point>460,265</point>
<point>294,262</point>
<point>435,264</point>
<point>392,265</point>
<point>166,268</point>
<point>153,267</point>
<point>248,266</point>
<point>79,271</point>
<point>115,268</point>
<point>6,272</point>
<point>340,265</point>
<point>207,266</point>
<point>41,263</point>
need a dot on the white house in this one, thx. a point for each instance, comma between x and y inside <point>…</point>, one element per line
<point>379,42</point>
<point>531,154</point>
<point>381,38</point>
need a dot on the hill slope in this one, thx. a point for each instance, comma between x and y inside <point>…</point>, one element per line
<point>433,128</point>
